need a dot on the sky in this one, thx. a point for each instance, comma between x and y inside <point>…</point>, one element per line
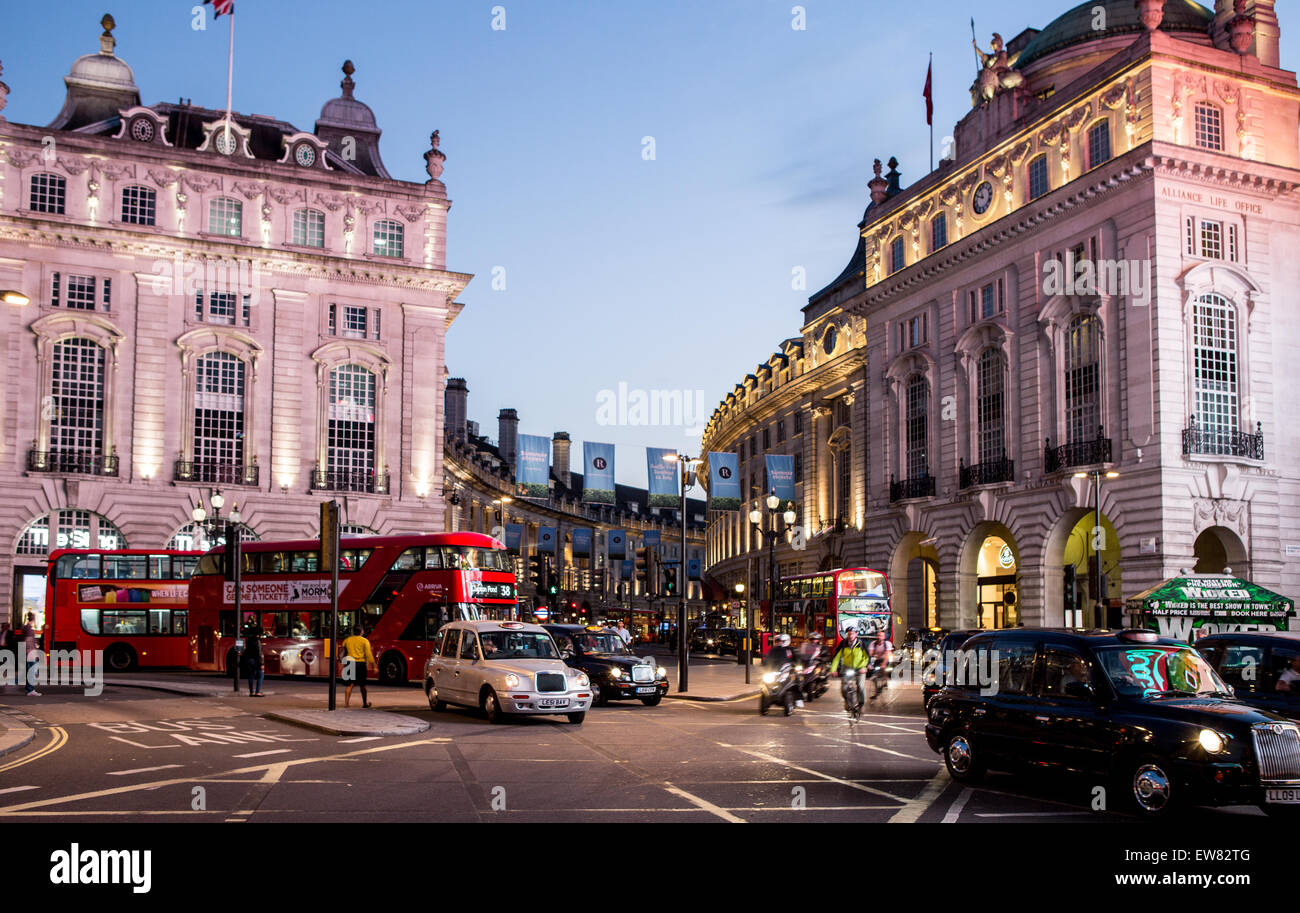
<point>634,182</point>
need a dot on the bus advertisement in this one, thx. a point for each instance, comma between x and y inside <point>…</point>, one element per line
<point>829,602</point>
<point>131,603</point>
<point>399,589</point>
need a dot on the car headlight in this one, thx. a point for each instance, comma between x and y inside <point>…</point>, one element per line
<point>615,673</point>
<point>661,672</point>
<point>512,681</point>
<point>1211,741</point>
<point>583,681</point>
<point>769,678</point>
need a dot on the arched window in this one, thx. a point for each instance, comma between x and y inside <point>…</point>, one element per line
<point>49,193</point>
<point>1039,181</point>
<point>388,239</point>
<point>218,418</point>
<point>1083,379</point>
<point>69,529</point>
<point>139,205</point>
<point>75,409</point>
<point>1208,126</point>
<point>309,228</point>
<point>1214,354</point>
<point>990,411</point>
<point>226,217</point>
<point>350,449</point>
<point>917,427</point>
<point>199,537</point>
<point>1098,143</point>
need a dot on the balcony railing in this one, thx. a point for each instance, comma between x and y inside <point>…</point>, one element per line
<point>920,487</point>
<point>216,472</point>
<point>1080,453</point>
<point>95,464</point>
<point>1220,442</point>
<point>986,473</point>
<point>362,480</point>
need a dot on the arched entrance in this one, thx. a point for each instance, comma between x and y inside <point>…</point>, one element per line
<point>991,560</point>
<point>67,528</point>
<point>1217,549</point>
<point>913,581</point>
<point>1090,601</point>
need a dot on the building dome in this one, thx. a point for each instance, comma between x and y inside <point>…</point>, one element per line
<point>99,85</point>
<point>347,112</point>
<point>1075,27</point>
<point>101,71</point>
<point>350,128</point>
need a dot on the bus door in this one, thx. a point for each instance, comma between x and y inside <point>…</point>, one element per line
<point>29,596</point>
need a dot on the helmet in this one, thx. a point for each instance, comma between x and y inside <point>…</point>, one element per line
<point>783,640</point>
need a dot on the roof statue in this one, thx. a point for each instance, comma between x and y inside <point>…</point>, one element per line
<point>996,73</point>
<point>434,158</point>
<point>106,41</point>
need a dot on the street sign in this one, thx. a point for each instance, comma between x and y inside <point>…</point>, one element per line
<point>541,614</point>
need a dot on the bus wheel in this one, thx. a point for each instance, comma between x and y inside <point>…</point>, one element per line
<point>119,658</point>
<point>392,669</point>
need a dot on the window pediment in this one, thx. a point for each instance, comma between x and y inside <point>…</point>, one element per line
<point>1222,279</point>
<point>214,339</point>
<point>54,327</point>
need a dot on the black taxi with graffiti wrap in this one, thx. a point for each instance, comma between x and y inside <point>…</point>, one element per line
<point>1143,716</point>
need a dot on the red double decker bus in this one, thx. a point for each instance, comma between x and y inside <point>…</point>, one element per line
<point>399,589</point>
<point>131,603</point>
<point>828,602</point>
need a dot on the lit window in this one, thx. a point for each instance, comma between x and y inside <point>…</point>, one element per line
<point>218,411</point>
<point>1214,348</point>
<point>389,239</point>
<point>226,217</point>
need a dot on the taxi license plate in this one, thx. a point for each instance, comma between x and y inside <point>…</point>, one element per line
<point>553,702</point>
<point>1282,796</point>
<point>646,690</point>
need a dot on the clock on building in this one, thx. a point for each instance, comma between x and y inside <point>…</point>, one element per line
<point>983,198</point>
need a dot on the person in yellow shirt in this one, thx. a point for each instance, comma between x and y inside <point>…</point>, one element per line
<point>357,657</point>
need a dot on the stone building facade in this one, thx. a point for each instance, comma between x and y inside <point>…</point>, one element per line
<point>1094,293</point>
<point>200,305</point>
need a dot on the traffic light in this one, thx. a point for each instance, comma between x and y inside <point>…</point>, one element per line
<point>537,572</point>
<point>670,581</point>
<point>1071,581</point>
<point>643,569</point>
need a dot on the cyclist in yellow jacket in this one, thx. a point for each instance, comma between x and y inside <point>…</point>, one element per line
<point>852,655</point>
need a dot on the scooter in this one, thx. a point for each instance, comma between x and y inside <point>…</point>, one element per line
<point>781,688</point>
<point>816,679</point>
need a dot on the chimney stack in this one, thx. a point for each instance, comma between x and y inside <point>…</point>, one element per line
<point>560,455</point>
<point>456,406</point>
<point>1267,32</point>
<point>508,436</point>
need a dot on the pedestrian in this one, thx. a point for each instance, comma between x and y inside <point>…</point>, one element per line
<point>252,660</point>
<point>33,655</point>
<point>357,658</point>
<point>624,633</point>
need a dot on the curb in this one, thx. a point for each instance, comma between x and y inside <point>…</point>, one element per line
<point>700,697</point>
<point>13,734</point>
<point>401,725</point>
<point>189,690</point>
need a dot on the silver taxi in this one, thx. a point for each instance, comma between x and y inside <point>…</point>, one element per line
<point>504,668</point>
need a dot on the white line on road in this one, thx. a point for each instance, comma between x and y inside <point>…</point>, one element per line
<point>913,810</point>
<point>763,756</point>
<point>262,754</point>
<point>1028,814</point>
<point>364,738</point>
<point>140,770</point>
<point>17,789</point>
<point>704,804</point>
<point>954,810</point>
<point>899,754</point>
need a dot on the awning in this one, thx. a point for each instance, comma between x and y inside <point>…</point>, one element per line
<point>1196,604</point>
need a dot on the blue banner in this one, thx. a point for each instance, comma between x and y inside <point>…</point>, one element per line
<point>546,539</point>
<point>663,477</point>
<point>617,543</point>
<point>582,542</point>
<point>651,537</point>
<point>780,475</point>
<point>514,537</point>
<point>693,569</point>
<point>628,567</point>
<point>533,465</point>
<point>598,478</point>
<point>724,481</point>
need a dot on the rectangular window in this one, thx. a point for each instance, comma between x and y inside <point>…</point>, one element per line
<point>1214,347</point>
<point>107,296</point>
<point>1212,239</point>
<point>221,308</point>
<point>309,228</point>
<point>1038,180</point>
<point>1099,144</point>
<point>333,320</point>
<point>798,468</point>
<point>1232,243</point>
<point>139,206</point>
<point>48,194</point>
<point>81,293</point>
<point>767,438</point>
<point>798,423</point>
<point>988,301</point>
<point>54,290</point>
<point>939,232</point>
<point>1191,236</point>
<point>780,432</point>
<point>1209,127</point>
<point>896,255</point>
<point>354,322</point>
<point>376,322</point>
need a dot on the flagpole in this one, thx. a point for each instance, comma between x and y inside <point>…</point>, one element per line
<point>932,116</point>
<point>230,73</point>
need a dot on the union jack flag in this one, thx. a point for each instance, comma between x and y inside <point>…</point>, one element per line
<point>220,7</point>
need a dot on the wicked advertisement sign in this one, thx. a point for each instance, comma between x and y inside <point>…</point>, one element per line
<point>1189,607</point>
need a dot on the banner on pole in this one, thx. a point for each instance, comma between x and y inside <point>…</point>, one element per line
<point>780,475</point>
<point>662,474</point>
<point>598,478</point>
<point>582,542</point>
<point>533,465</point>
<point>617,543</point>
<point>724,481</point>
<point>546,539</point>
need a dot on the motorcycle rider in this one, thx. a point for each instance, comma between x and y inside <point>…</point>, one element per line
<point>780,655</point>
<point>810,654</point>
<point>852,656</point>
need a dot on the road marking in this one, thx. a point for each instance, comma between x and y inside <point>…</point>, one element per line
<point>58,738</point>
<point>364,738</point>
<point>140,744</point>
<point>1028,814</point>
<point>704,804</point>
<point>764,756</point>
<point>912,757</point>
<point>915,808</point>
<point>260,754</point>
<point>954,810</point>
<point>17,789</point>
<point>140,770</point>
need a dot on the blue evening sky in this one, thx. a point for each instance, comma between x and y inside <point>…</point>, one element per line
<point>666,274</point>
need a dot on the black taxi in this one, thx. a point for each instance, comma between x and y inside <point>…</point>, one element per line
<point>1263,668</point>
<point>1145,715</point>
<point>616,673</point>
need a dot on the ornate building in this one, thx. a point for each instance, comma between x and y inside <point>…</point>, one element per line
<point>1091,297</point>
<point>193,304</point>
<point>481,495</point>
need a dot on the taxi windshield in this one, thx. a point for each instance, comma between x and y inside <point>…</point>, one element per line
<point>517,645</point>
<point>1160,669</point>
<point>600,642</point>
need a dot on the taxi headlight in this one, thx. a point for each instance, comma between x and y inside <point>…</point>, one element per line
<point>661,672</point>
<point>616,673</point>
<point>1211,741</point>
<point>512,681</point>
<point>583,681</point>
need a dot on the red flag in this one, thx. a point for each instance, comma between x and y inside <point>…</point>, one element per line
<point>929,95</point>
<point>221,7</point>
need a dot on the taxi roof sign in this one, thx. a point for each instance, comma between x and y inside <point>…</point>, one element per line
<point>513,625</point>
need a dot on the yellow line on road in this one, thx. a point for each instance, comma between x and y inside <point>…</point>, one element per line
<point>58,740</point>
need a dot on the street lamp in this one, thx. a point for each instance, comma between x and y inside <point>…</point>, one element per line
<point>742,652</point>
<point>214,527</point>
<point>688,480</point>
<point>501,503</point>
<point>1096,475</point>
<point>772,503</point>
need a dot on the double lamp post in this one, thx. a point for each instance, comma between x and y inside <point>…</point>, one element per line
<point>770,532</point>
<point>228,529</point>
